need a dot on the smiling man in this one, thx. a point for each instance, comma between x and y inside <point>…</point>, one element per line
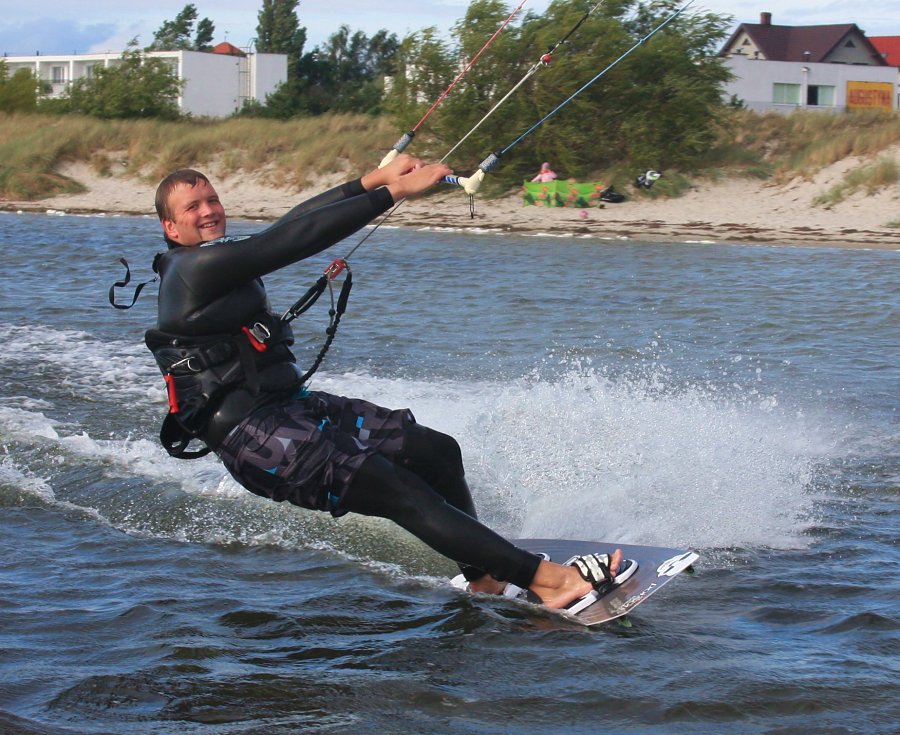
<point>233,383</point>
<point>189,209</point>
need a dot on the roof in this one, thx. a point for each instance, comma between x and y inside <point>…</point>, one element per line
<point>888,47</point>
<point>791,43</point>
<point>228,49</point>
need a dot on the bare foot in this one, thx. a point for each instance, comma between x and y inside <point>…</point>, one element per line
<point>558,585</point>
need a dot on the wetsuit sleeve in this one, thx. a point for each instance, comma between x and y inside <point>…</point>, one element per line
<point>215,269</point>
<point>337,194</point>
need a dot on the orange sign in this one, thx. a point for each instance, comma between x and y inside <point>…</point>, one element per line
<point>870,95</point>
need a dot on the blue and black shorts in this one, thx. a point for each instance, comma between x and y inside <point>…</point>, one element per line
<point>309,450</point>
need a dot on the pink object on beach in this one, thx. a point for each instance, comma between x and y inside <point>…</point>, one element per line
<point>545,174</point>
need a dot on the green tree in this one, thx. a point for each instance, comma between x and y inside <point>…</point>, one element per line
<point>423,67</point>
<point>175,35</point>
<point>136,86</point>
<point>497,71</point>
<point>278,32</point>
<point>344,74</point>
<point>351,69</point>
<point>203,39</point>
<point>657,108</point>
<point>18,93</point>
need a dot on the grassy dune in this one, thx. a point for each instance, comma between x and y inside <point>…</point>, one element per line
<point>287,153</point>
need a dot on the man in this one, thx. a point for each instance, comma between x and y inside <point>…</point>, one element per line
<point>232,383</point>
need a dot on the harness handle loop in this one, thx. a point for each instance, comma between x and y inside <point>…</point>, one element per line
<point>124,282</point>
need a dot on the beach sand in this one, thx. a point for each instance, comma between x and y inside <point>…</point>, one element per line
<point>730,210</point>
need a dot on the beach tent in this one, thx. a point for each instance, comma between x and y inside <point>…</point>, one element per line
<point>562,193</point>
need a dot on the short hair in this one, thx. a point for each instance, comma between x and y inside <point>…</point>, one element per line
<point>164,190</point>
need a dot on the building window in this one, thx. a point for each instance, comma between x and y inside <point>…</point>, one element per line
<point>89,71</point>
<point>786,94</point>
<point>57,75</point>
<point>820,95</point>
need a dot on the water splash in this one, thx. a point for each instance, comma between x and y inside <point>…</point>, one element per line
<point>633,458</point>
<point>630,458</point>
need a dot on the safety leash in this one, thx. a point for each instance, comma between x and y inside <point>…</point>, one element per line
<point>335,313</point>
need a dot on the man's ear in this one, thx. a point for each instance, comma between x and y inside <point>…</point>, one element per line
<point>169,228</point>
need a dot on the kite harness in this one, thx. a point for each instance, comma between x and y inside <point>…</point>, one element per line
<point>232,373</point>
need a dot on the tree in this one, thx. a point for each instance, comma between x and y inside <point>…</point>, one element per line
<point>278,30</point>
<point>344,74</point>
<point>657,108</point>
<point>175,35</point>
<point>18,93</point>
<point>136,86</point>
<point>423,67</point>
<point>486,82</point>
<point>206,31</point>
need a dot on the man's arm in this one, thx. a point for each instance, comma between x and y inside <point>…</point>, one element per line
<point>217,268</point>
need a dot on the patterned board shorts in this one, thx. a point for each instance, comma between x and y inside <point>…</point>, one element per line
<point>309,450</point>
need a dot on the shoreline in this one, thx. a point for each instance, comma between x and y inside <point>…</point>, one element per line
<point>730,211</point>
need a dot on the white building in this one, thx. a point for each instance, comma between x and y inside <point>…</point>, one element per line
<point>828,67</point>
<point>216,84</point>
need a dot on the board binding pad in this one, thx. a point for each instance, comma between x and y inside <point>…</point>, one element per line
<point>657,566</point>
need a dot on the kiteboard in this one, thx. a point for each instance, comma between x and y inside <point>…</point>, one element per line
<point>656,567</point>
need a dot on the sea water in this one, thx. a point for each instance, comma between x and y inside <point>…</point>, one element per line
<point>740,401</point>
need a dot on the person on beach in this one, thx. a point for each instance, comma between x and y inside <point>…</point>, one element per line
<point>233,383</point>
<point>545,174</point>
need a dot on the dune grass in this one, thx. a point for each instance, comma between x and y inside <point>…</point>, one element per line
<point>290,153</point>
<point>286,153</point>
<point>870,177</point>
<point>802,143</point>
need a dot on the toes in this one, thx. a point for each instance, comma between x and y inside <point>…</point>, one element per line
<point>615,562</point>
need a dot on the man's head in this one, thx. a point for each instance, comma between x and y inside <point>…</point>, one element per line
<point>189,208</point>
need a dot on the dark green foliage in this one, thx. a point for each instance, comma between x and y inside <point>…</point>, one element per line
<point>414,87</point>
<point>205,32</point>
<point>137,86</point>
<point>18,93</point>
<point>279,32</point>
<point>175,35</point>
<point>345,74</point>
<point>655,109</point>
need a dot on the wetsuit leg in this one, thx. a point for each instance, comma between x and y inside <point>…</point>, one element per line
<point>437,459</point>
<point>383,489</point>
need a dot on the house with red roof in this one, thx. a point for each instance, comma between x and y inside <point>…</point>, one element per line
<point>888,47</point>
<point>822,67</point>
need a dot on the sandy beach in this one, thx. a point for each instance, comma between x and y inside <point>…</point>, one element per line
<point>728,210</point>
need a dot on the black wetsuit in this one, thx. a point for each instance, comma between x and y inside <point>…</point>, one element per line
<point>313,449</point>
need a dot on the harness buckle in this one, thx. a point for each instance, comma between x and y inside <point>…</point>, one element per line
<point>257,336</point>
<point>337,266</point>
<point>186,362</point>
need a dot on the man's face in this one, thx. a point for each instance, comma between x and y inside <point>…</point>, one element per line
<point>198,215</point>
